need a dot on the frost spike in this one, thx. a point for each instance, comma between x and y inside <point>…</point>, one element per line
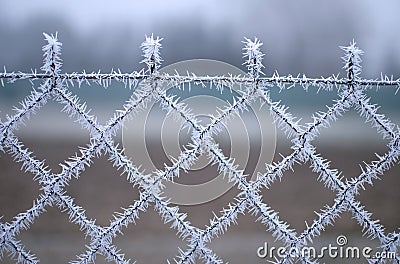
<point>253,56</point>
<point>352,60</point>
<point>51,58</point>
<point>151,53</point>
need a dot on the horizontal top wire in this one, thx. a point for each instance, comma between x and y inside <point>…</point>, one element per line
<point>334,80</point>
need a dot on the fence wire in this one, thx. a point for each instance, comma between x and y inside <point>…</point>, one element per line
<point>350,94</point>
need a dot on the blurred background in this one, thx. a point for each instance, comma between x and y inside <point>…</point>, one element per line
<point>298,36</point>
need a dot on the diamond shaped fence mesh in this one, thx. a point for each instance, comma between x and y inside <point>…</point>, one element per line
<point>55,84</point>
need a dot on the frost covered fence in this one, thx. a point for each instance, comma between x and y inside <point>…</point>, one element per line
<point>350,94</point>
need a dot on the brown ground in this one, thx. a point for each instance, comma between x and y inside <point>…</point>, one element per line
<point>101,192</point>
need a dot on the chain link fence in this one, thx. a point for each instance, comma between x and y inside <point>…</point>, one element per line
<point>249,200</point>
